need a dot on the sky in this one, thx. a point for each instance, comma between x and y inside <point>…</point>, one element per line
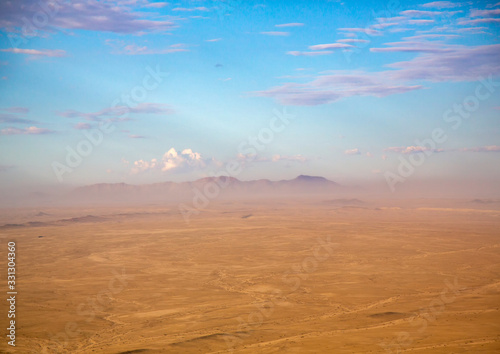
<point>140,92</point>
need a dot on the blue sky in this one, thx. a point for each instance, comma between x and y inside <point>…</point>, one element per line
<point>363,80</point>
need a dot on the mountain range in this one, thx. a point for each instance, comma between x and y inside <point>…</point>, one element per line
<point>209,186</point>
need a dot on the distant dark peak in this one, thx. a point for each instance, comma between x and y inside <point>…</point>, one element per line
<point>121,184</point>
<point>223,179</point>
<point>88,218</point>
<point>311,178</point>
<point>302,184</point>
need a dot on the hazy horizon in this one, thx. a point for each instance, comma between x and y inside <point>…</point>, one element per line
<point>380,94</point>
<point>464,191</point>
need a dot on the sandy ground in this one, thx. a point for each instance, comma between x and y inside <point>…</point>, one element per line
<point>247,277</point>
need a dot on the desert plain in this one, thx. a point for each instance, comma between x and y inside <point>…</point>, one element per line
<point>313,275</point>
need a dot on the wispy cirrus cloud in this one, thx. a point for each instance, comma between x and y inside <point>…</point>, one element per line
<point>26,131</point>
<point>393,19</point>
<point>144,50</point>
<point>14,116</point>
<point>420,13</point>
<point>379,26</point>
<point>407,20</point>
<point>145,108</point>
<point>484,13</point>
<point>414,46</point>
<point>309,54</point>
<point>293,24</point>
<point>479,20</point>
<point>353,40</point>
<point>368,31</point>
<point>459,63</point>
<point>421,22</point>
<point>330,88</point>
<point>410,149</point>
<point>330,46</point>
<point>14,119</point>
<point>319,49</point>
<point>441,5</point>
<point>431,36</point>
<point>36,53</point>
<point>118,17</point>
<point>472,30</point>
<point>276,33</point>
<point>120,47</point>
<point>156,5</point>
<point>191,9</point>
<point>435,63</point>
